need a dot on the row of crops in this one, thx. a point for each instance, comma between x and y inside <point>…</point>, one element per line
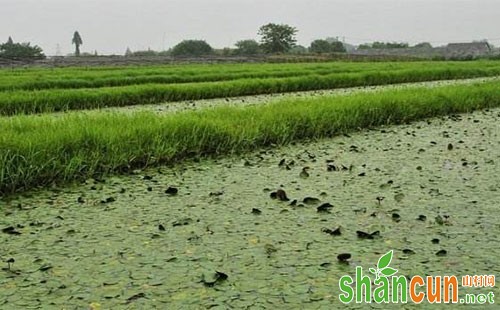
<point>39,150</point>
<point>39,91</point>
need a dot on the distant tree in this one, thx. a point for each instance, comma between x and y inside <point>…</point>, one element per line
<point>298,49</point>
<point>423,45</point>
<point>77,41</point>
<point>11,50</point>
<point>277,38</point>
<point>365,46</point>
<point>320,46</point>
<point>247,48</point>
<point>192,48</point>
<point>325,46</point>
<point>338,47</point>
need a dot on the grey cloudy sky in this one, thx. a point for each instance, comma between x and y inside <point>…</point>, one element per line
<point>110,26</point>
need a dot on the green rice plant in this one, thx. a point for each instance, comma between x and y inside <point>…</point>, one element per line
<point>30,102</point>
<point>42,150</point>
<point>67,78</point>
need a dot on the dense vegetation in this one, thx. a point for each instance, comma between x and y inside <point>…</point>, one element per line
<point>13,51</point>
<point>192,48</point>
<point>40,150</point>
<point>37,91</point>
<point>324,46</point>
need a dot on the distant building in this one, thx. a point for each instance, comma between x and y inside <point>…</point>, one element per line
<point>451,51</point>
<point>474,49</point>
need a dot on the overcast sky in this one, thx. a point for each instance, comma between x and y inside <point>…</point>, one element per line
<point>110,26</point>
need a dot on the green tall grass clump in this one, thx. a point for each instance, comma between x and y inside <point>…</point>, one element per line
<point>41,150</point>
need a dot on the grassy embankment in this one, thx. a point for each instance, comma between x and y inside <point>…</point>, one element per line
<point>40,150</point>
<point>50,100</point>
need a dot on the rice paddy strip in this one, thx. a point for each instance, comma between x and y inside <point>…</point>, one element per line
<point>42,150</point>
<point>32,102</point>
<point>37,79</point>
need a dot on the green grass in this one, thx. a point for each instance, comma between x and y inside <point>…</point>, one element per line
<point>31,102</point>
<point>42,150</point>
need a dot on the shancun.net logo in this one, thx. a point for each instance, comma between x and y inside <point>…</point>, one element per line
<point>387,287</point>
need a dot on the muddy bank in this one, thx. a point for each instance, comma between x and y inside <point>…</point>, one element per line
<point>159,237</point>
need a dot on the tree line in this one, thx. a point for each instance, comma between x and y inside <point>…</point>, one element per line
<point>274,39</point>
<point>12,50</point>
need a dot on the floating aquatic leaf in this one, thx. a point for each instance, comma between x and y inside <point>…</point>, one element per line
<point>172,191</point>
<point>343,257</point>
<point>333,232</point>
<point>108,200</point>
<point>45,268</point>
<point>332,167</point>
<point>396,217</point>
<point>216,194</point>
<point>281,195</point>
<point>441,253</point>
<point>324,208</point>
<point>422,218</point>
<point>365,235</point>
<point>399,197</point>
<point>11,230</point>
<point>221,276</point>
<point>217,278</point>
<point>182,222</point>
<point>256,211</point>
<point>311,201</point>
<point>9,262</point>
<point>304,174</point>
<point>408,251</point>
<point>135,297</point>
<point>439,220</point>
